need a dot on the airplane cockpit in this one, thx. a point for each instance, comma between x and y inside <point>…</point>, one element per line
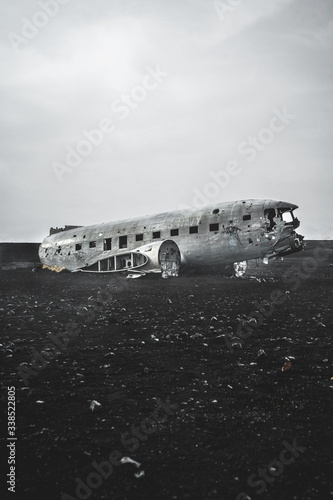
<point>281,225</point>
<point>276,216</point>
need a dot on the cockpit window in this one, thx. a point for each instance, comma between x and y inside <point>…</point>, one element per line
<point>287,217</point>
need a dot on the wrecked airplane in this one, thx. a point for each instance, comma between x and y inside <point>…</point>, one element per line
<point>216,235</point>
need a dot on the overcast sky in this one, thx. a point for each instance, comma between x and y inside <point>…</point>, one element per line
<point>196,102</point>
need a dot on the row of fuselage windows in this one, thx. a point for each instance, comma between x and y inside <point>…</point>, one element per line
<point>107,242</point>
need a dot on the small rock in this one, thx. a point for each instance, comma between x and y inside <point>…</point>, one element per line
<point>94,404</point>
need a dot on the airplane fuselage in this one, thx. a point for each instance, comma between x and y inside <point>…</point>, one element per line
<point>218,234</point>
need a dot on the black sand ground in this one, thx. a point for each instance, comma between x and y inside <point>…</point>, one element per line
<point>134,345</point>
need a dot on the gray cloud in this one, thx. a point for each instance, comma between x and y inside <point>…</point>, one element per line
<point>225,78</point>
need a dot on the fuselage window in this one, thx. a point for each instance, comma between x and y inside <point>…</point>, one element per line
<point>247,217</point>
<point>174,232</point>
<point>156,234</point>
<point>106,244</point>
<point>213,227</point>
<point>122,241</point>
<point>193,229</point>
<point>92,244</point>
<point>78,246</point>
<point>139,237</point>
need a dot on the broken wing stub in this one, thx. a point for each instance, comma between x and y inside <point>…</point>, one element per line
<point>162,257</point>
<point>158,257</point>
